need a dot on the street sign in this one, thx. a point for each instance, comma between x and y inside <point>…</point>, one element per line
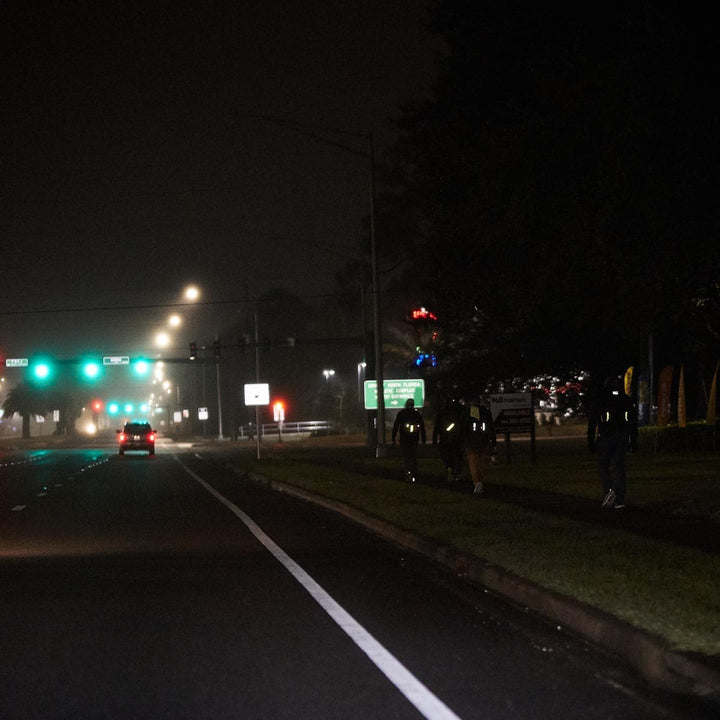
<point>16,362</point>
<point>395,393</point>
<point>257,394</point>
<point>116,360</point>
<point>203,413</point>
<point>513,412</point>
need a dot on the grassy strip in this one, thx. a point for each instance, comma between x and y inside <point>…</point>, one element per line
<point>668,590</point>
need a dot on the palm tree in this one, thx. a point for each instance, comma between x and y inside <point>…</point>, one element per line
<point>26,401</point>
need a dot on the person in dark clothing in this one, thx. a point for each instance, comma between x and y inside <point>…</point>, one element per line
<point>447,435</point>
<point>612,427</point>
<point>479,441</point>
<point>410,426</point>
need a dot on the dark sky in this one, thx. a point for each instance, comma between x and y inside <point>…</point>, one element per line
<point>132,163</point>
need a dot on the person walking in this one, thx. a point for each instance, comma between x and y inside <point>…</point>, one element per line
<point>447,436</point>
<point>410,426</point>
<point>612,427</point>
<point>479,441</point>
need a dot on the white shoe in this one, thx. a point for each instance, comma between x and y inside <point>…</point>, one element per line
<point>478,489</point>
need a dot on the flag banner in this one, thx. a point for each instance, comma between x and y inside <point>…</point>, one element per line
<point>712,400</point>
<point>628,380</point>
<point>643,400</point>
<point>664,386</point>
<point>682,415</point>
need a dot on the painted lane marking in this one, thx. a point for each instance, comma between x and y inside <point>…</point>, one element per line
<point>428,704</point>
<point>17,508</point>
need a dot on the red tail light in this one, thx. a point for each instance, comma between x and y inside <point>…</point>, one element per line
<point>122,437</point>
<point>151,437</point>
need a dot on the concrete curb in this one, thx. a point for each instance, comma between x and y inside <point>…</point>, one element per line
<point>649,655</point>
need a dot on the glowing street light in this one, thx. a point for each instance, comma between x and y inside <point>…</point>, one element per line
<point>191,293</point>
<point>162,339</point>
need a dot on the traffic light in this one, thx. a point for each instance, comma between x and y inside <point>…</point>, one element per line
<point>216,349</point>
<point>91,370</point>
<point>43,370</point>
<point>193,350</point>
<point>96,406</point>
<point>113,408</point>
<point>141,366</point>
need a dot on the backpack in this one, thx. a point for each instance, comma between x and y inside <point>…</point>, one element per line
<point>614,415</point>
<point>477,427</point>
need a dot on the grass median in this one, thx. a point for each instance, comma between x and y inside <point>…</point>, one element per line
<point>669,590</point>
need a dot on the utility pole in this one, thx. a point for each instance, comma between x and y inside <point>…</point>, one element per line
<point>380,449</point>
<point>257,380</point>
<point>217,380</point>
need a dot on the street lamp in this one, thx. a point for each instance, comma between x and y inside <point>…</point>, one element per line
<point>162,339</point>
<point>191,293</point>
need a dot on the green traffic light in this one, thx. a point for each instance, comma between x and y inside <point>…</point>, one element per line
<point>91,370</point>
<point>42,371</point>
<point>113,408</point>
<point>141,366</point>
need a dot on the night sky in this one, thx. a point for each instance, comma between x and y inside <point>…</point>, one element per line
<point>133,160</point>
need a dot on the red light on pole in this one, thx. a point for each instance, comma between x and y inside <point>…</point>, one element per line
<point>423,314</point>
<point>278,411</point>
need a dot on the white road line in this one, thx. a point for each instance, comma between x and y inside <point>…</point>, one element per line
<point>428,704</point>
<point>17,508</point>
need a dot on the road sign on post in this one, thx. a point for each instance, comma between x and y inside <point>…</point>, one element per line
<point>514,413</point>
<point>16,362</point>
<point>395,393</point>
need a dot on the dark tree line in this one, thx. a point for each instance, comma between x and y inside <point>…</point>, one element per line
<point>555,200</point>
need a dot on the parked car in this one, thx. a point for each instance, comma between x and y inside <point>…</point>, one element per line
<point>136,436</point>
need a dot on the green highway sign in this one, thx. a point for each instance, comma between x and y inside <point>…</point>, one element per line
<point>395,393</point>
<point>16,362</point>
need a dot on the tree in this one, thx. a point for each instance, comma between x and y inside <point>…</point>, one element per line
<point>560,182</point>
<point>25,400</point>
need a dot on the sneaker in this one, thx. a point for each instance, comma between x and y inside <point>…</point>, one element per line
<point>478,489</point>
<point>609,499</point>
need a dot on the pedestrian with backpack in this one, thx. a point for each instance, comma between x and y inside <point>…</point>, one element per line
<point>410,426</point>
<point>479,440</point>
<point>612,428</point>
<point>447,432</point>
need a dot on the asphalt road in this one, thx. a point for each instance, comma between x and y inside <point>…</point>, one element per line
<point>168,587</point>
